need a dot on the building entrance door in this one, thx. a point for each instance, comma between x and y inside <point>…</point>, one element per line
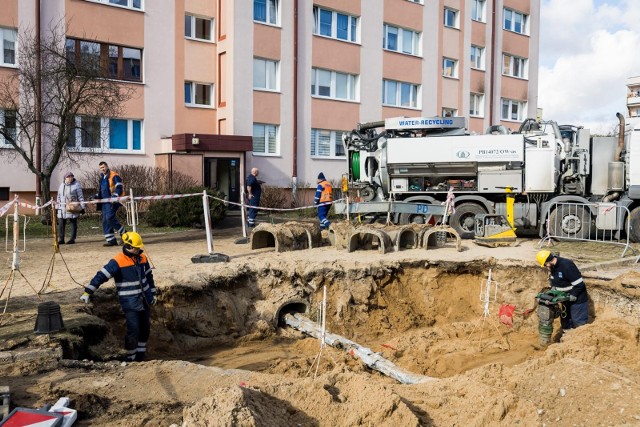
<point>223,174</point>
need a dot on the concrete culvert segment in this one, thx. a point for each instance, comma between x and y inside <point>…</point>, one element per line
<point>290,307</point>
<point>219,353</point>
<point>289,236</point>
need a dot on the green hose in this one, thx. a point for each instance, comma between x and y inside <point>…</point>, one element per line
<point>355,165</point>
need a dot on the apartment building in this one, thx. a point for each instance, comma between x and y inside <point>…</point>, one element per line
<point>633,96</point>
<point>223,86</point>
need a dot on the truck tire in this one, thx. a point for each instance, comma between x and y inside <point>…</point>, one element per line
<point>633,226</point>
<point>463,219</point>
<point>573,224</point>
<point>406,218</point>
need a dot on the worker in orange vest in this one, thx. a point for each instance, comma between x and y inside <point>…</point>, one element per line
<point>323,199</point>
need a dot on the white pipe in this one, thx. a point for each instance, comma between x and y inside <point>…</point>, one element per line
<point>134,214</point>
<point>371,359</point>
<point>207,221</point>
<point>15,265</point>
<point>244,214</point>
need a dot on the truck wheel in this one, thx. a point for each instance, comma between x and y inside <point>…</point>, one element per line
<point>571,224</point>
<point>633,226</point>
<point>412,219</point>
<point>464,219</point>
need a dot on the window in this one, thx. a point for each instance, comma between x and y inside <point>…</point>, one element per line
<point>117,62</point>
<point>198,28</point>
<point>8,125</point>
<point>400,94</point>
<point>450,67</point>
<point>416,1</point>
<point>129,4</point>
<point>477,57</point>
<point>477,10</point>
<point>198,94</point>
<point>265,11</point>
<point>450,18</point>
<point>449,112</point>
<point>514,66</point>
<point>401,40</point>
<point>515,21</point>
<point>103,134</point>
<point>512,110</point>
<point>333,84</point>
<point>476,105</point>
<point>265,139</point>
<point>265,74</point>
<point>8,39</point>
<point>326,143</point>
<point>335,24</point>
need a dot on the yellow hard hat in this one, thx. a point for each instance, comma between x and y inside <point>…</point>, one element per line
<point>542,257</point>
<point>132,239</point>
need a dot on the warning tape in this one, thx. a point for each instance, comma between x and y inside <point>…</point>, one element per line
<point>6,207</point>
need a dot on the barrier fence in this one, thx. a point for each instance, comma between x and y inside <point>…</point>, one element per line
<point>588,222</point>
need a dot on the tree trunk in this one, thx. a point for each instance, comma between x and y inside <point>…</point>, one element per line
<point>45,184</point>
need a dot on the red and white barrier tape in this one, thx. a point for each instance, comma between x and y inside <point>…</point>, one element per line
<point>276,209</point>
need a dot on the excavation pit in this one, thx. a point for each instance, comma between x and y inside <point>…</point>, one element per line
<point>218,347</point>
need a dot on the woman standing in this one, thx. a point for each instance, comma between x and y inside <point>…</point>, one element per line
<point>71,205</point>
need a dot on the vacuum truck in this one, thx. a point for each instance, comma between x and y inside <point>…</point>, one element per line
<point>418,160</point>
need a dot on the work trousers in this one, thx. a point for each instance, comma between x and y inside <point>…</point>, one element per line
<point>110,223</point>
<point>253,213</point>
<point>138,329</point>
<point>323,211</point>
<point>576,315</point>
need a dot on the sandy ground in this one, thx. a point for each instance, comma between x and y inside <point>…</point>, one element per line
<point>425,321</point>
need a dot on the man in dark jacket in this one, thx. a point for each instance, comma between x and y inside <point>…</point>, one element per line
<point>110,185</point>
<point>566,277</point>
<point>136,292</point>
<point>254,190</point>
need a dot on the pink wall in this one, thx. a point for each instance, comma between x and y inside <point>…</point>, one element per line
<point>404,14</point>
<point>336,55</point>
<point>400,67</point>
<point>328,114</point>
<point>349,6</point>
<point>266,107</point>
<point>9,15</point>
<point>266,41</point>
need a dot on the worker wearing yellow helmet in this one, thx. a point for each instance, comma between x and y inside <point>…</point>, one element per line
<point>136,292</point>
<point>565,277</point>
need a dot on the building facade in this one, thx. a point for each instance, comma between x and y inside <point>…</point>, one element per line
<point>223,86</point>
<point>633,96</point>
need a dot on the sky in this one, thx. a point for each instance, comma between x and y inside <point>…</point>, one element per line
<point>588,50</point>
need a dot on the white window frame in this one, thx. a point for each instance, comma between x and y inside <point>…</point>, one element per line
<point>352,85</point>
<point>15,47</point>
<point>3,141</point>
<point>476,105</point>
<point>478,62</point>
<point>416,40</point>
<point>192,35</point>
<point>454,67</point>
<point>334,25</point>
<point>522,106</point>
<point>398,94</point>
<point>416,1</point>
<point>104,137</point>
<point>333,141</point>
<point>478,9</point>
<point>266,153</point>
<point>456,18</point>
<point>269,86</point>
<point>268,15</point>
<point>523,66</point>
<point>128,6</point>
<point>512,26</point>
<point>449,112</point>
<point>193,104</point>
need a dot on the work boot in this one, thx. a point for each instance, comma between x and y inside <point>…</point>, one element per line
<point>61,242</point>
<point>113,242</point>
<point>70,242</point>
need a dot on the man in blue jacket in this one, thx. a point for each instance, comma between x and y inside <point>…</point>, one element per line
<point>110,185</point>
<point>136,292</point>
<point>324,194</point>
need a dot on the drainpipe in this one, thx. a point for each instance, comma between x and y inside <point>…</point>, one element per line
<point>38,147</point>
<point>491,67</point>
<point>294,165</point>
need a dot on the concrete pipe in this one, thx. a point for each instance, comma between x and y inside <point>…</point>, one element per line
<point>294,306</point>
<point>290,236</point>
<point>366,238</point>
<point>403,237</point>
<point>339,233</point>
<point>437,237</point>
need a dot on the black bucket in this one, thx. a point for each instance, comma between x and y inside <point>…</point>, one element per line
<point>49,318</point>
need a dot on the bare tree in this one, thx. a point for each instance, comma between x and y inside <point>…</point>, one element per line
<point>73,83</point>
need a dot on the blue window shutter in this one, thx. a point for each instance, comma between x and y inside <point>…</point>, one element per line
<point>118,134</point>
<point>137,125</point>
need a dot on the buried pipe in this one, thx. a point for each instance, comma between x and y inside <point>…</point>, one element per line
<point>371,359</point>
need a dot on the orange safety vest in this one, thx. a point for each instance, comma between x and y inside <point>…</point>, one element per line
<point>327,192</point>
<point>112,186</point>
